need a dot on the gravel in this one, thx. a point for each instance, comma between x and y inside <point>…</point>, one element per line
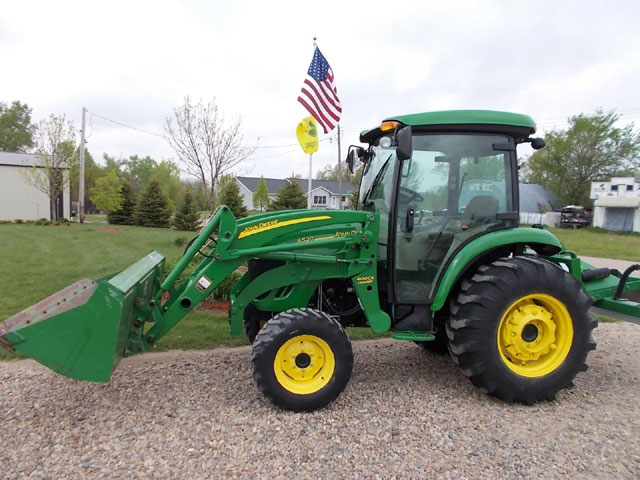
<point>405,414</point>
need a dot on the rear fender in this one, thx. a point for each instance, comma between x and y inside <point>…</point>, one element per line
<point>539,240</point>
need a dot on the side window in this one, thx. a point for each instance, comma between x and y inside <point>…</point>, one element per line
<point>482,185</point>
<point>427,177</point>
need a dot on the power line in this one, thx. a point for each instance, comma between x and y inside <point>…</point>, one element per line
<point>277,154</point>
<point>291,144</point>
<point>167,138</point>
<point>129,126</point>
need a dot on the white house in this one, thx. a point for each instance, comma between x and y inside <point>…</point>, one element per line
<point>617,204</point>
<point>21,200</point>
<point>324,193</point>
<point>617,187</point>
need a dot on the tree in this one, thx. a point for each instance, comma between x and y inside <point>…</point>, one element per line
<point>186,218</point>
<point>261,195</point>
<point>197,193</point>
<point>106,194</point>
<point>591,149</point>
<point>205,143</point>
<point>138,171</point>
<point>353,199</point>
<point>330,172</point>
<point>126,213</point>
<point>153,209</point>
<point>289,197</point>
<point>230,196</point>
<point>16,130</point>
<point>222,184</point>
<point>55,146</point>
<point>92,171</point>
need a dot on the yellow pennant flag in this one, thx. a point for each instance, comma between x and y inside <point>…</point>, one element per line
<point>307,133</point>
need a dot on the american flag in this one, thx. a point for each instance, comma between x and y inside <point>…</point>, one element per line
<point>319,94</point>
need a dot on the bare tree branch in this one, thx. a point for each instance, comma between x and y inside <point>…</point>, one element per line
<point>55,147</point>
<point>206,144</point>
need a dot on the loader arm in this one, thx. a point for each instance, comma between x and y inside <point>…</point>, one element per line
<point>314,245</point>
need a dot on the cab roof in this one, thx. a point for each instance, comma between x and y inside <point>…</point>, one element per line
<point>461,120</point>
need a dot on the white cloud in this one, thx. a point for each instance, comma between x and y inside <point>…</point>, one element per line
<point>133,61</point>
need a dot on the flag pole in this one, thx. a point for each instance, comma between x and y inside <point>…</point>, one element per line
<point>339,173</point>
<point>311,154</point>
<point>309,188</point>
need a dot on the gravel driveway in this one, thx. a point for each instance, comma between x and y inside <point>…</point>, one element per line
<point>405,414</point>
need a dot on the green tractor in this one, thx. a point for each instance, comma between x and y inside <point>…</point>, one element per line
<point>433,254</point>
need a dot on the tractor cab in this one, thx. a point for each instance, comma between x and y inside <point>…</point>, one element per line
<point>438,180</point>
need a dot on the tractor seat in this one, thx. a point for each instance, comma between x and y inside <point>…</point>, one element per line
<point>481,206</point>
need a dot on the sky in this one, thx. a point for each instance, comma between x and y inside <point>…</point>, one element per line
<point>133,62</point>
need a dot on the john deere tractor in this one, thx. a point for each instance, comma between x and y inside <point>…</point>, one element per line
<point>433,254</point>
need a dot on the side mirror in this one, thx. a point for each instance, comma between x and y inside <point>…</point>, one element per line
<point>538,143</point>
<point>355,153</point>
<point>404,147</point>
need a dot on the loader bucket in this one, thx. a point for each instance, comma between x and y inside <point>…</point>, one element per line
<point>82,331</point>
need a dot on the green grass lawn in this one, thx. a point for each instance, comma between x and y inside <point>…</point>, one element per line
<point>595,242</point>
<point>95,218</point>
<point>37,261</point>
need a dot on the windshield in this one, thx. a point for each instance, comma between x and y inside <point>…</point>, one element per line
<point>378,169</point>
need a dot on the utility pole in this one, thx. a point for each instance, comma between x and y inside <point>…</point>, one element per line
<point>309,204</point>
<point>339,173</point>
<point>81,182</point>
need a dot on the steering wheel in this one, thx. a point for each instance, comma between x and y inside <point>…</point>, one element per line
<point>409,194</point>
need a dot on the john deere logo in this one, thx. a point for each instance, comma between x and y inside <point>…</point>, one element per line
<point>272,224</point>
<point>311,129</point>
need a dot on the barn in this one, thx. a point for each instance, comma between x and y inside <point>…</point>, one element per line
<point>21,200</point>
<point>538,204</point>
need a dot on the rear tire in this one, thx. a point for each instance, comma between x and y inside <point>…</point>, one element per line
<point>521,329</point>
<point>302,359</point>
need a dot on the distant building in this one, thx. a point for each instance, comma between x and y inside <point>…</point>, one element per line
<point>617,204</point>
<point>538,204</point>
<point>21,200</point>
<point>617,187</point>
<point>324,193</point>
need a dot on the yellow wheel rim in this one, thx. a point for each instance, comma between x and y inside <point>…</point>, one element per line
<point>535,335</point>
<point>304,364</point>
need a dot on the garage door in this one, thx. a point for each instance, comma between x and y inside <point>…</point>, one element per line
<point>618,219</point>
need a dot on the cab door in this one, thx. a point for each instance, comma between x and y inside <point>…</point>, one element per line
<point>452,190</point>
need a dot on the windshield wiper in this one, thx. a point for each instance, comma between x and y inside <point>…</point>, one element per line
<point>376,179</point>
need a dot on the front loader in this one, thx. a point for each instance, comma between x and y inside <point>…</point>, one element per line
<point>434,254</point>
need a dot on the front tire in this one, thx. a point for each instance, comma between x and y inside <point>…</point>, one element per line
<point>302,359</point>
<point>254,320</point>
<point>521,329</point>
